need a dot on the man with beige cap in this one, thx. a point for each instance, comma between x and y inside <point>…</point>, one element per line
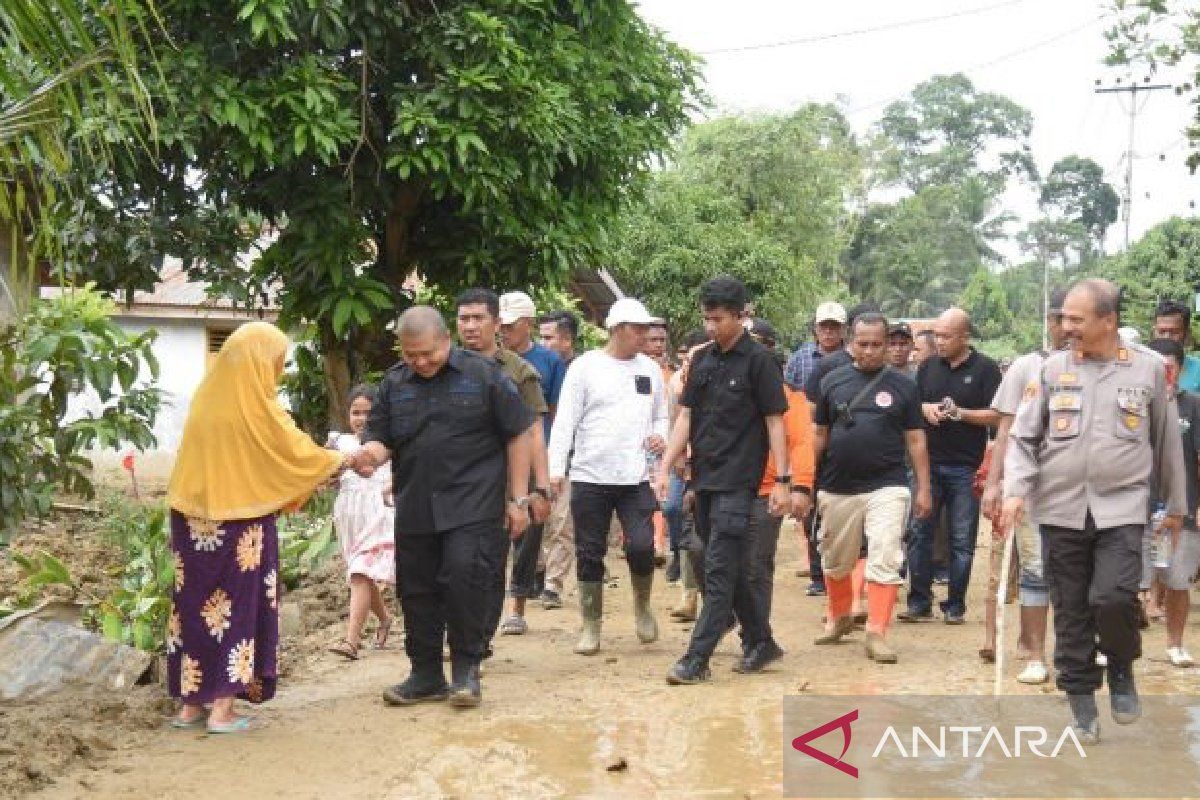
<point>611,427</point>
<point>518,321</point>
<point>829,336</point>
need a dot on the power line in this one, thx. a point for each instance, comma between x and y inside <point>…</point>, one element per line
<point>824,37</point>
<point>1009,56</point>
<point>1132,90</point>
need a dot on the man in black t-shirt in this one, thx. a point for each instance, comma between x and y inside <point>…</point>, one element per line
<point>956,387</point>
<point>731,414</point>
<point>866,420</point>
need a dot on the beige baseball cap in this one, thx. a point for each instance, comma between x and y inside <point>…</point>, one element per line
<point>830,312</point>
<point>514,306</point>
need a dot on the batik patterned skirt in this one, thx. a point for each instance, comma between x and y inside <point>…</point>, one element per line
<point>223,634</point>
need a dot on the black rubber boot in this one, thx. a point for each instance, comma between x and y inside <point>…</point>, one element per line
<point>465,690</point>
<point>1087,717</point>
<point>417,689</point>
<point>1123,697</point>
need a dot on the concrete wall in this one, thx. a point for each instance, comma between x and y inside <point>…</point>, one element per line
<point>181,350</point>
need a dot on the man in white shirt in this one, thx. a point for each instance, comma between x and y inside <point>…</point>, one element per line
<point>611,423</point>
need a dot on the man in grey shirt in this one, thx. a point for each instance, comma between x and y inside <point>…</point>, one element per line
<point>1090,439</point>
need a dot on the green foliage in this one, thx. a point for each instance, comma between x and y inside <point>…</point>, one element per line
<point>948,132</point>
<point>914,257</point>
<point>765,199</point>
<point>1164,263</point>
<point>70,95</point>
<point>1077,191</point>
<point>795,177</point>
<point>136,612</point>
<point>986,301</point>
<point>1163,36</point>
<point>64,347</point>
<point>472,142</point>
<point>306,538</point>
<point>37,572</point>
<point>304,385</point>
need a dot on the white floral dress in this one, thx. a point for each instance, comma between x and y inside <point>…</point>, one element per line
<point>365,526</point>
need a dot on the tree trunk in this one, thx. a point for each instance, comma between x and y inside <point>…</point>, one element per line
<point>335,357</point>
<point>393,265</point>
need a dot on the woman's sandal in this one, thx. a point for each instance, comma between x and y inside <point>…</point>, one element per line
<point>197,722</point>
<point>235,725</point>
<point>381,635</point>
<point>346,649</point>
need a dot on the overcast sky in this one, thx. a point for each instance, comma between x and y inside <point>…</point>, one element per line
<point>1044,54</point>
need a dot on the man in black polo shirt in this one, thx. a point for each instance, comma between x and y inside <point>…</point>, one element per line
<point>866,421</point>
<point>454,427</point>
<point>956,386</point>
<point>730,413</point>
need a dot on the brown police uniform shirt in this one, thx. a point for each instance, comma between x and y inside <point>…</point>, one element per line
<point>1093,435</point>
<point>523,374</point>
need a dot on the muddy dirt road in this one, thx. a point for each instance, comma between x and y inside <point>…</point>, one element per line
<point>552,723</point>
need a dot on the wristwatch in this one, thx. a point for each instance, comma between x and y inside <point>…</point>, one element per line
<point>786,480</point>
<point>521,502</point>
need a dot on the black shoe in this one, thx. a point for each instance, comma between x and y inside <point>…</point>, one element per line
<point>465,691</point>
<point>955,618</point>
<point>550,599</point>
<point>1087,718</point>
<point>915,616</point>
<point>759,657</point>
<point>688,671</point>
<point>815,590</point>
<point>415,690</point>
<point>673,569</point>
<point>1123,696</point>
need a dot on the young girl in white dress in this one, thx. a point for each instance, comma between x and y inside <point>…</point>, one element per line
<point>365,529</point>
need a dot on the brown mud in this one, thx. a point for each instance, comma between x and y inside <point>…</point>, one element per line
<point>552,724</point>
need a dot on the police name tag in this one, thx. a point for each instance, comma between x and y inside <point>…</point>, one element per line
<point>1066,401</point>
<point>1133,399</point>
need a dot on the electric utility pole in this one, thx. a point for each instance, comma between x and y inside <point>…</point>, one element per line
<point>1132,90</point>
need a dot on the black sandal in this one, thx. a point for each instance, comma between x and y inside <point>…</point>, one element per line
<point>381,633</point>
<point>346,649</point>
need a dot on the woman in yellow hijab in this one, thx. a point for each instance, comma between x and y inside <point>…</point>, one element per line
<point>241,461</point>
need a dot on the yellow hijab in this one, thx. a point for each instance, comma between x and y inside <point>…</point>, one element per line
<point>241,455</point>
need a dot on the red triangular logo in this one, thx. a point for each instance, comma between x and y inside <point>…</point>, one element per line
<point>800,743</point>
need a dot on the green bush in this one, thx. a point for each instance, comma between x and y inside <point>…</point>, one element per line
<point>306,538</point>
<point>136,612</point>
<point>59,349</point>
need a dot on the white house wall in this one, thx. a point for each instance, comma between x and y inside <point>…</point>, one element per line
<point>182,351</point>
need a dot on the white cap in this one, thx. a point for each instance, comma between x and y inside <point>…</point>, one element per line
<point>831,312</point>
<point>515,306</point>
<point>627,310</point>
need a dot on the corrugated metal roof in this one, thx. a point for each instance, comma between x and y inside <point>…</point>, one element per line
<point>175,291</point>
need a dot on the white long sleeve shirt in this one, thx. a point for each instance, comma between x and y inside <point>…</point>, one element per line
<point>607,409</point>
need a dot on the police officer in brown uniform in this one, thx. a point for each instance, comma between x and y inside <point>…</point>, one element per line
<point>1090,439</point>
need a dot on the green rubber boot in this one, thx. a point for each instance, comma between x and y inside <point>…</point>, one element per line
<point>591,609</point>
<point>645,625</point>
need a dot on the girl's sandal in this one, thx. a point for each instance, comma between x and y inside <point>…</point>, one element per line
<point>346,649</point>
<point>381,635</point>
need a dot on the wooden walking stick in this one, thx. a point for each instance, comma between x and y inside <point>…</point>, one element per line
<point>1001,598</point>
